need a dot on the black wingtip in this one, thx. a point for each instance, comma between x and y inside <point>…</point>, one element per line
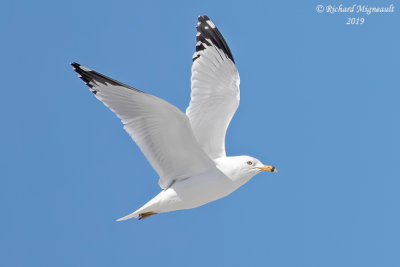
<point>75,65</point>
<point>203,18</point>
<point>208,35</point>
<point>93,78</point>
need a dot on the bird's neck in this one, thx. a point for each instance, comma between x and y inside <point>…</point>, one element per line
<point>228,166</point>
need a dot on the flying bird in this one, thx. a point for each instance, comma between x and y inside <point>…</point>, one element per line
<point>186,150</point>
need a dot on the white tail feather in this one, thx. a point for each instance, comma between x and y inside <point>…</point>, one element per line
<point>127,217</point>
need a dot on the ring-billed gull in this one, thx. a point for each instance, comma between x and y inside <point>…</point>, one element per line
<point>186,150</point>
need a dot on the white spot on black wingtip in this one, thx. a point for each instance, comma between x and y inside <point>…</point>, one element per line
<point>209,22</point>
<point>209,35</point>
<point>84,68</point>
<point>85,80</point>
<point>94,79</point>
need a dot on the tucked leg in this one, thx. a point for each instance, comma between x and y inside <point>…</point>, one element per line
<point>146,215</point>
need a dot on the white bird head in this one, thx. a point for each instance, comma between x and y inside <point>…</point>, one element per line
<point>242,167</point>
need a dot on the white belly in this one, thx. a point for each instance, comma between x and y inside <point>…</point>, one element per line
<point>193,192</point>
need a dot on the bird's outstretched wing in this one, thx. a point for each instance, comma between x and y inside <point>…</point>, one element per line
<point>162,131</point>
<point>215,89</point>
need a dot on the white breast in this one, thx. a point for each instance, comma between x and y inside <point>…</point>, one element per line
<point>196,191</point>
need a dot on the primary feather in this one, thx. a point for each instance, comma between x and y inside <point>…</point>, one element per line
<point>215,89</point>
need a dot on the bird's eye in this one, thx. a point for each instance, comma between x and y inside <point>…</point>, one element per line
<point>249,163</point>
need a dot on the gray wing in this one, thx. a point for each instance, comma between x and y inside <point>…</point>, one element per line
<point>215,89</point>
<point>162,131</point>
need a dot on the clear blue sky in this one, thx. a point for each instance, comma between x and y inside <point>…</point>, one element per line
<point>319,100</point>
